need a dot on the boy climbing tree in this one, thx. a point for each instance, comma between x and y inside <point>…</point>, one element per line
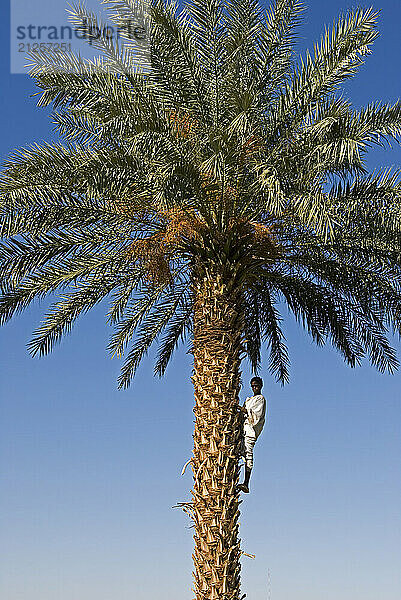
<point>254,409</point>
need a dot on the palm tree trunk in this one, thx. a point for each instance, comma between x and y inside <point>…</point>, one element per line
<point>214,507</point>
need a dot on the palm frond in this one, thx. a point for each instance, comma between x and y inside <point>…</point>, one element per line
<point>207,148</point>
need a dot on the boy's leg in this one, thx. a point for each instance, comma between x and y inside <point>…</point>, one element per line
<point>249,443</point>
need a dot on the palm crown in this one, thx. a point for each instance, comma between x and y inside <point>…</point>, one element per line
<point>222,155</point>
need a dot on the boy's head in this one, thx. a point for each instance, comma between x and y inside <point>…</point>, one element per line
<point>256,385</point>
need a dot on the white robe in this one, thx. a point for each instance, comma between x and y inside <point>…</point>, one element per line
<point>256,409</point>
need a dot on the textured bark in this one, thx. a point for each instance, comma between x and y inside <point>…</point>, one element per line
<point>214,507</point>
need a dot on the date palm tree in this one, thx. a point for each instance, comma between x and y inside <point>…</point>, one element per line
<point>205,179</point>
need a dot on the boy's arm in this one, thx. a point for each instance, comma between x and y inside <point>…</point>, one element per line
<point>243,409</point>
<point>257,411</point>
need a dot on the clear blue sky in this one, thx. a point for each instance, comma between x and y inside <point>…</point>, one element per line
<point>89,474</point>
